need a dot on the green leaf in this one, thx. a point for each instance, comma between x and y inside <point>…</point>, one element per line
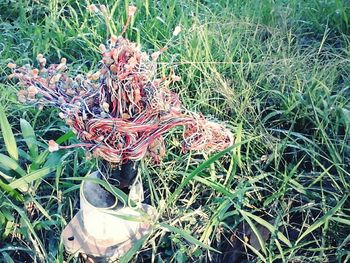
<point>11,192</point>
<point>187,236</point>
<point>341,220</point>
<point>10,179</point>
<point>9,163</point>
<point>41,158</point>
<point>65,137</point>
<point>216,186</point>
<point>6,177</point>
<point>21,182</point>
<point>29,137</point>
<point>9,138</point>
<point>197,171</point>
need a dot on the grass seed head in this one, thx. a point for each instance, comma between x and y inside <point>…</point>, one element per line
<point>131,10</point>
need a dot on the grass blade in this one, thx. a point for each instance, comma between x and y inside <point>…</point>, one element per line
<point>203,166</point>
<point>9,138</point>
<point>10,163</point>
<point>29,137</point>
<point>216,186</point>
<point>31,177</point>
<point>256,232</point>
<point>11,192</point>
<point>270,227</point>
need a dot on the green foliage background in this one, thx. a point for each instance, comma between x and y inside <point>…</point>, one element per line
<point>276,71</point>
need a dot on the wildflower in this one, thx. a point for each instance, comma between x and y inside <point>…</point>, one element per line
<point>125,116</point>
<point>22,92</point>
<point>100,138</point>
<point>55,78</point>
<point>176,31</point>
<point>87,135</point>
<point>70,91</point>
<point>62,65</point>
<point>115,55</point>
<point>132,63</point>
<point>41,60</point>
<point>89,75</point>
<point>137,95</point>
<point>69,122</point>
<point>123,108</point>
<point>131,10</point>
<point>53,146</point>
<point>114,68</point>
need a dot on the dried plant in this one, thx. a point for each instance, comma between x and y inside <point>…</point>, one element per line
<point>121,111</point>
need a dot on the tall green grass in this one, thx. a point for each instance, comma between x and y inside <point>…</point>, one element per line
<point>277,72</point>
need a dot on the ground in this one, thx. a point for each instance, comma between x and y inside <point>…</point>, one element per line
<point>275,71</point>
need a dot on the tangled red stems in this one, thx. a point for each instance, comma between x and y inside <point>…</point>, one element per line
<point>122,111</point>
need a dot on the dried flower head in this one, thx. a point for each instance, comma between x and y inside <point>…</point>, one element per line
<point>93,8</point>
<point>39,56</point>
<point>131,10</point>
<point>11,65</point>
<point>155,55</point>
<point>103,9</point>
<point>102,47</point>
<point>113,39</point>
<point>32,90</point>
<point>53,146</point>
<point>175,78</point>
<point>177,30</point>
